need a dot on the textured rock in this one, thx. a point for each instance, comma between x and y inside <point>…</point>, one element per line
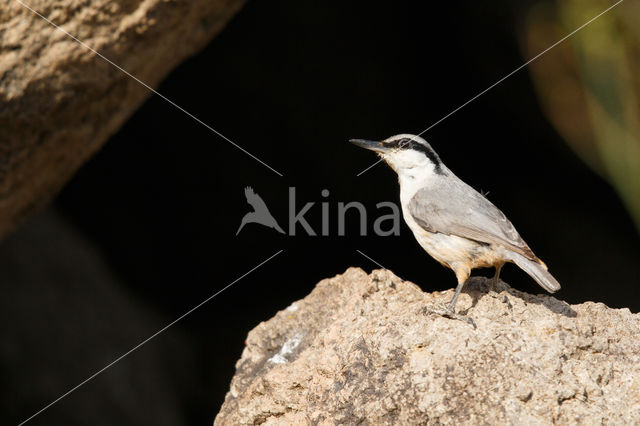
<point>59,101</point>
<point>369,349</point>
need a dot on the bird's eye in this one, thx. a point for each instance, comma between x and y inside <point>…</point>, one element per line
<point>398,143</point>
<point>401,143</point>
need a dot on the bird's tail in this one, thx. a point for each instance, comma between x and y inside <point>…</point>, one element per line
<point>537,271</point>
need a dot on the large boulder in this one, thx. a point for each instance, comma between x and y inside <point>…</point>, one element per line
<point>373,349</point>
<point>59,101</point>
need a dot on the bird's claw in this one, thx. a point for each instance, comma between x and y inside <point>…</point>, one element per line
<point>451,314</point>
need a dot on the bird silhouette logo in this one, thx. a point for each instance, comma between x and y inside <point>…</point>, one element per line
<point>260,213</point>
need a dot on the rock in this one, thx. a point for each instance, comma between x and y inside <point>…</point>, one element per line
<point>370,349</point>
<point>59,101</point>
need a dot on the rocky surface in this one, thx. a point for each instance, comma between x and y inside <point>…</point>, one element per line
<point>59,101</point>
<point>370,349</point>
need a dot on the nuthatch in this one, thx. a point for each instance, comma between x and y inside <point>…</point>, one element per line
<point>454,223</point>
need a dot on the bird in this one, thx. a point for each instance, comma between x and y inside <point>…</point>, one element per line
<point>456,225</point>
<point>260,213</point>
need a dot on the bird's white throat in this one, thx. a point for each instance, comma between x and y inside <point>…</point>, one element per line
<point>410,164</point>
<point>414,170</point>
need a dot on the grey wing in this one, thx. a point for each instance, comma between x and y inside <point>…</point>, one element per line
<point>457,209</point>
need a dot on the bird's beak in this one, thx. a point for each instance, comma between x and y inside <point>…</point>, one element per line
<point>371,145</point>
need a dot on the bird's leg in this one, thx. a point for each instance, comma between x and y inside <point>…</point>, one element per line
<point>496,277</point>
<point>462,274</point>
<point>452,306</point>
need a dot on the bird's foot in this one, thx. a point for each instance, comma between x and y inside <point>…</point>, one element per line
<point>451,314</point>
<point>493,293</point>
<point>493,286</point>
<point>504,299</point>
<point>497,286</point>
<point>499,293</point>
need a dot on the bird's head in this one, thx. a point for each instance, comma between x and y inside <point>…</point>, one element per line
<point>405,153</point>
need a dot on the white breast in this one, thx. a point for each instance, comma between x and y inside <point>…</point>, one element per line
<point>446,249</point>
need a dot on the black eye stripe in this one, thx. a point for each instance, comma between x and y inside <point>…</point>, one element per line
<point>407,143</point>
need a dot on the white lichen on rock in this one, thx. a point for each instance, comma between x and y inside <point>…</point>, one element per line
<point>287,349</point>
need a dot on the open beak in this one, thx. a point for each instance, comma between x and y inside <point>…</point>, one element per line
<point>371,145</point>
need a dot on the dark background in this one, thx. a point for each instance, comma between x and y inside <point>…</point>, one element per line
<point>291,82</point>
